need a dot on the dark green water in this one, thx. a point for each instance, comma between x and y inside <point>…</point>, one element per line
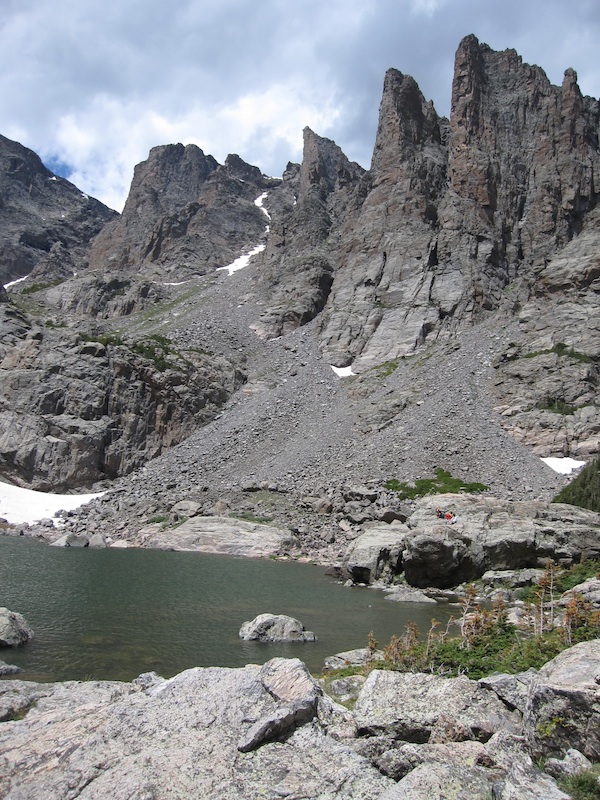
<point>113,614</point>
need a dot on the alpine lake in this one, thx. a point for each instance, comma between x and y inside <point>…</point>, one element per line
<point>112,614</point>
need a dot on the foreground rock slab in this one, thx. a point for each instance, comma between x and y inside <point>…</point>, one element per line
<point>563,703</point>
<point>427,708</point>
<point>181,738</point>
<point>270,732</point>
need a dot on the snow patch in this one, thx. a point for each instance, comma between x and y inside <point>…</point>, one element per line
<point>342,372</point>
<point>259,203</point>
<point>19,505</point>
<point>18,280</point>
<point>563,465</point>
<point>243,260</point>
<point>178,283</point>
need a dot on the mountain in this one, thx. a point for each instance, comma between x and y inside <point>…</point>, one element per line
<point>46,223</point>
<point>458,276</point>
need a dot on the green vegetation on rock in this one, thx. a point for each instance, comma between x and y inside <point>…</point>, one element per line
<point>443,483</point>
<point>487,642</point>
<point>561,349</point>
<point>584,490</point>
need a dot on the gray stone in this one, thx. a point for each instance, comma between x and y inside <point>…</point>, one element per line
<point>573,763</point>
<point>420,708</point>
<point>275,628</point>
<point>376,554</point>
<point>181,739</point>
<point>72,540</point>
<point>223,535</point>
<point>346,689</point>
<point>407,594</point>
<point>360,657</point>
<point>492,534</point>
<point>511,689</point>
<point>562,709</point>
<point>9,669</point>
<point>14,629</point>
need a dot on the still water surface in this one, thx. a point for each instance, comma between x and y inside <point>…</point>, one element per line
<point>113,614</point>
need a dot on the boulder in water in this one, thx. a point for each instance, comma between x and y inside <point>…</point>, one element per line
<point>14,630</point>
<point>275,628</point>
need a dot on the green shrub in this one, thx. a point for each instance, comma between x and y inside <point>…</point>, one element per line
<point>584,786</point>
<point>488,643</point>
<point>557,406</point>
<point>385,370</point>
<point>247,516</point>
<point>443,483</point>
<point>584,490</point>
<point>105,339</point>
<point>561,349</point>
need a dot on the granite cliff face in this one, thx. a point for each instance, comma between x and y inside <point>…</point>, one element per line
<point>460,210</point>
<point>458,276</point>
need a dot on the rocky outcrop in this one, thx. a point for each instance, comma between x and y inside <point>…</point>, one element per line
<point>211,733</point>
<point>275,628</point>
<point>376,554</point>
<point>46,223</point>
<point>185,215</point>
<point>562,708</point>
<point>103,296</point>
<point>298,265</point>
<point>79,409</point>
<point>488,534</point>
<point>427,708</point>
<point>14,629</point>
<point>223,535</point>
<point>546,382</point>
<point>456,212</point>
<point>225,733</point>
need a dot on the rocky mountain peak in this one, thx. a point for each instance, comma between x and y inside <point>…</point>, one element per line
<point>46,223</point>
<point>172,175</point>
<point>407,122</point>
<point>324,166</point>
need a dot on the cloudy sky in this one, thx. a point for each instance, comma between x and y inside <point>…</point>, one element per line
<point>92,85</point>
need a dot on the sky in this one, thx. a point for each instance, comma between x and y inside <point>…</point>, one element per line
<point>92,85</point>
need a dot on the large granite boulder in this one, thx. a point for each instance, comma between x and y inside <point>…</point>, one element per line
<point>275,628</point>
<point>488,533</point>
<point>14,629</point>
<point>427,708</point>
<point>563,704</point>
<point>493,534</point>
<point>466,770</point>
<point>223,535</point>
<point>376,554</point>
